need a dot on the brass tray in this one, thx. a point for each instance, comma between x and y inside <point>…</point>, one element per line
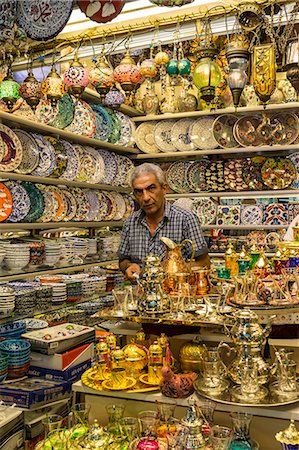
<point>264,307</point>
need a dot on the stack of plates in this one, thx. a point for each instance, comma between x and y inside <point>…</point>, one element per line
<point>17,256</point>
<point>18,353</point>
<point>7,301</point>
<point>25,298</point>
<point>53,253</point>
<point>12,330</point>
<point>92,246</point>
<point>59,293</point>
<point>3,366</point>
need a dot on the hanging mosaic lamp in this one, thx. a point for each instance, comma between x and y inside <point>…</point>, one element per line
<point>161,58</point>
<point>148,68</point>
<point>127,74</point>
<point>30,90</point>
<point>53,87</point>
<point>9,90</point>
<point>76,77</point>
<point>101,76</point>
<point>264,71</point>
<point>184,67</point>
<point>114,98</point>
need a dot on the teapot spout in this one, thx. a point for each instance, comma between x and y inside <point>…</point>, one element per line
<point>168,242</point>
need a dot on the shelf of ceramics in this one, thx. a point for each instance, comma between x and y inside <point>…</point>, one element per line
<point>29,125</point>
<point>60,182</point>
<point>61,225</point>
<point>238,151</point>
<point>243,227</point>
<point>216,112</point>
<point>279,412</point>
<point>221,254</point>
<point>239,194</point>
<point>6,275</point>
<point>90,95</point>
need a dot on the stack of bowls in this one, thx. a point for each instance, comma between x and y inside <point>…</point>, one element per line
<point>18,353</point>
<point>53,253</point>
<point>12,330</point>
<point>7,301</point>
<point>59,293</point>
<point>17,256</point>
<point>92,246</point>
<point>2,254</point>
<point>3,366</point>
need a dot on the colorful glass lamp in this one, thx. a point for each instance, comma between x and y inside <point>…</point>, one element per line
<point>76,77</point>
<point>127,74</point>
<point>30,90</point>
<point>101,77</point>
<point>53,86</point>
<point>9,90</point>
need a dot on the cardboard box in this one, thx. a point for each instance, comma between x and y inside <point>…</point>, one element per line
<point>71,374</point>
<point>30,392</point>
<point>63,361</point>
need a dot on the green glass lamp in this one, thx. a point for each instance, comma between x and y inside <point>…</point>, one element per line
<point>207,76</point>
<point>9,90</point>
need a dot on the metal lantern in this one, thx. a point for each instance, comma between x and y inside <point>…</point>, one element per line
<point>236,81</point>
<point>237,51</point>
<point>249,16</point>
<point>30,90</point>
<point>101,77</point>
<point>292,63</point>
<point>76,77</point>
<point>53,86</point>
<point>206,77</point>
<point>127,74</point>
<point>263,69</point>
<point>9,90</point>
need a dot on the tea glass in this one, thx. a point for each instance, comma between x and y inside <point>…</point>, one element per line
<point>118,378</point>
<point>149,422</point>
<point>129,427</point>
<point>213,373</point>
<point>249,379</point>
<point>52,422</point>
<point>221,437</point>
<point>286,377</point>
<point>212,302</point>
<point>80,413</point>
<point>120,302</point>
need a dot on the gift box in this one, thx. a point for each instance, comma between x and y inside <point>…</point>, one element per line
<point>65,360</point>
<point>70,374</point>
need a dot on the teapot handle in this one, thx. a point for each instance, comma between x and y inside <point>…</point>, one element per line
<point>188,241</point>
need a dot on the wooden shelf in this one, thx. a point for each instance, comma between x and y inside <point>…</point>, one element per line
<point>54,225</point>
<point>221,254</point>
<point>217,112</point>
<point>20,122</point>
<point>244,227</point>
<point>60,182</point>
<point>240,194</point>
<point>91,95</point>
<point>224,152</point>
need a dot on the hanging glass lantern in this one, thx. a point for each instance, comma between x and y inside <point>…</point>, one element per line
<point>114,98</point>
<point>53,87</point>
<point>101,76</point>
<point>263,70</point>
<point>76,77</point>
<point>236,81</point>
<point>30,90</point>
<point>127,74</point>
<point>292,63</point>
<point>184,65</point>
<point>237,51</point>
<point>148,68</point>
<point>9,90</point>
<point>161,58</point>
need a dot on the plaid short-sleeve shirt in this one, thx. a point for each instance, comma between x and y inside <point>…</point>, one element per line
<point>177,224</point>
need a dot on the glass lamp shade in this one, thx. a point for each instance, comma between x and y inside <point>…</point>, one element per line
<point>148,68</point>
<point>207,76</point>
<point>161,58</point>
<point>127,73</point>
<point>184,67</point>
<point>76,78</point>
<point>53,87</point>
<point>236,81</point>
<point>114,98</point>
<point>292,63</point>
<point>30,91</point>
<point>101,76</point>
<point>264,71</point>
<point>9,91</point>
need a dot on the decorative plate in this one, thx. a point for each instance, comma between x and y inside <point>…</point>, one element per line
<point>223,131</point>
<point>43,20</point>
<point>30,156</point>
<point>126,129</point>
<point>228,215</point>
<point>86,164</point>
<point>47,157</point>
<point>50,204</point>
<point>36,202</point>
<point>98,164</point>
<point>130,204</point>
<point>104,207</point>
<point>115,132</point>
<point>256,237</point>
<point>121,206</point>
<point>201,133</point>
<point>103,123</point>
<point>110,166</point>
<point>180,135</point>
<point>112,205</point>
<point>162,136</point>
<point>62,209</point>
<point>73,161</point>
<point>84,122</point>
<point>145,137</point>
<point>83,204</point>
<point>215,176</point>
<point>176,176</point>
<point>285,128</point>
<point>276,214</point>
<point>60,156</point>
<point>205,209</point>
<point>7,13</point>
<point>45,112</point>
<point>13,153</point>
<point>184,203</point>
<point>125,168</point>
<point>278,173</point>
<point>195,175</point>
<point>252,172</point>
<point>94,204</point>
<point>101,11</point>
<point>295,160</point>
<point>252,214</point>
<point>245,131</point>
<point>20,201</point>
<point>65,112</point>
<point>5,202</point>
<point>233,175</point>
<point>71,205</point>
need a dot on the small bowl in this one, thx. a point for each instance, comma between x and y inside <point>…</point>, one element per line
<point>14,346</point>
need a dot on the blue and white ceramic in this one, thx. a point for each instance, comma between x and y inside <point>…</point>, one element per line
<point>47,157</point>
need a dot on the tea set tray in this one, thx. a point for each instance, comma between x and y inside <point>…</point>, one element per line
<point>263,307</point>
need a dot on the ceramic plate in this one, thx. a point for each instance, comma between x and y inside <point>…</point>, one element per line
<point>195,175</point>
<point>109,159</point>
<point>98,164</point>
<point>228,215</point>
<point>201,133</point>
<point>126,129</point>
<point>251,214</point>
<point>50,204</point>
<point>115,131</point>
<point>65,112</point>
<point>252,172</point>
<point>45,112</point>
<point>103,210</point>
<point>13,153</point>
<point>73,161</point>
<point>71,205</point>
<point>83,204</point>
<point>36,202</point>
<point>180,135</point>
<point>30,155</point>
<point>20,201</point>
<point>233,175</point>
<point>5,202</point>
<point>205,209</point>
<point>94,204</point>
<point>112,205</point>
<point>215,176</point>
<point>162,136</point>
<point>84,122</point>
<point>245,131</point>
<point>176,176</point>
<point>278,173</point>
<point>43,20</point>
<point>86,164</point>
<point>47,157</point>
<point>285,128</point>
<point>276,214</point>
<point>121,206</point>
<point>145,138</point>
<point>103,123</point>
<point>223,131</point>
<point>60,156</point>
<point>295,160</point>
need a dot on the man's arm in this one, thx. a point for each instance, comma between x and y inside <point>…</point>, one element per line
<point>202,261</point>
<point>129,269</point>
<point>192,230</point>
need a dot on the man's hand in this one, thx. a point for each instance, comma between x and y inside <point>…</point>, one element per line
<point>131,270</point>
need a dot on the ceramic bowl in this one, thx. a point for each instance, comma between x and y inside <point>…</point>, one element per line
<point>35,324</point>
<point>12,327</point>
<point>14,346</point>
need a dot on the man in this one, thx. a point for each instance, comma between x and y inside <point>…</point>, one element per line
<point>156,218</point>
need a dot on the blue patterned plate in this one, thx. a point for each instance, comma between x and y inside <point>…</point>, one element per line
<point>110,166</point>
<point>84,122</point>
<point>65,114</point>
<point>104,123</point>
<point>47,157</point>
<point>30,156</point>
<point>20,201</point>
<point>36,202</point>
<point>126,129</point>
<point>73,161</point>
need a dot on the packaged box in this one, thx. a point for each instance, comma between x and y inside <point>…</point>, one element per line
<point>65,360</point>
<point>71,374</point>
<point>30,392</point>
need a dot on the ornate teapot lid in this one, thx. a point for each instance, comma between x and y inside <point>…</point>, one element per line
<point>246,313</point>
<point>288,436</point>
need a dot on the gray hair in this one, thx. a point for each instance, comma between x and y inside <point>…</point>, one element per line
<point>148,168</point>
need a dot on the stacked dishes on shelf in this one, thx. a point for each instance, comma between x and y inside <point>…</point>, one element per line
<point>18,354</point>
<point>225,131</point>
<point>7,301</point>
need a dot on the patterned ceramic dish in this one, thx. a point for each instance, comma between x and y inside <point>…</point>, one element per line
<point>103,123</point>
<point>126,129</point>
<point>252,172</point>
<point>98,165</point>
<point>251,214</point>
<point>50,204</point>
<point>10,150</point>
<point>116,127</point>
<point>94,204</point>
<point>195,175</point>
<point>86,164</point>
<point>84,122</point>
<point>45,112</point>
<point>20,201</point>
<point>245,131</point>
<point>215,176</point>
<point>228,215</point>
<point>233,175</point>
<point>30,154</point>
<point>276,214</point>
<point>201,133</point>
<point>110,164</point>
<point>47,157</point>
<point>223,131</point>
<point>60,156</point>
<point>180,135</point>
<point>278,173</point>
<point>5,202</point>
<point>162,136</point>
<point>36,202</point>
<point>285,128</point>
<point>65,112</point>
<point>295,160</point>
<point>176,176</point>
<point>205,209</point>
<point>145,137</point>
<point>71,205</point>
<point>73,161</point>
